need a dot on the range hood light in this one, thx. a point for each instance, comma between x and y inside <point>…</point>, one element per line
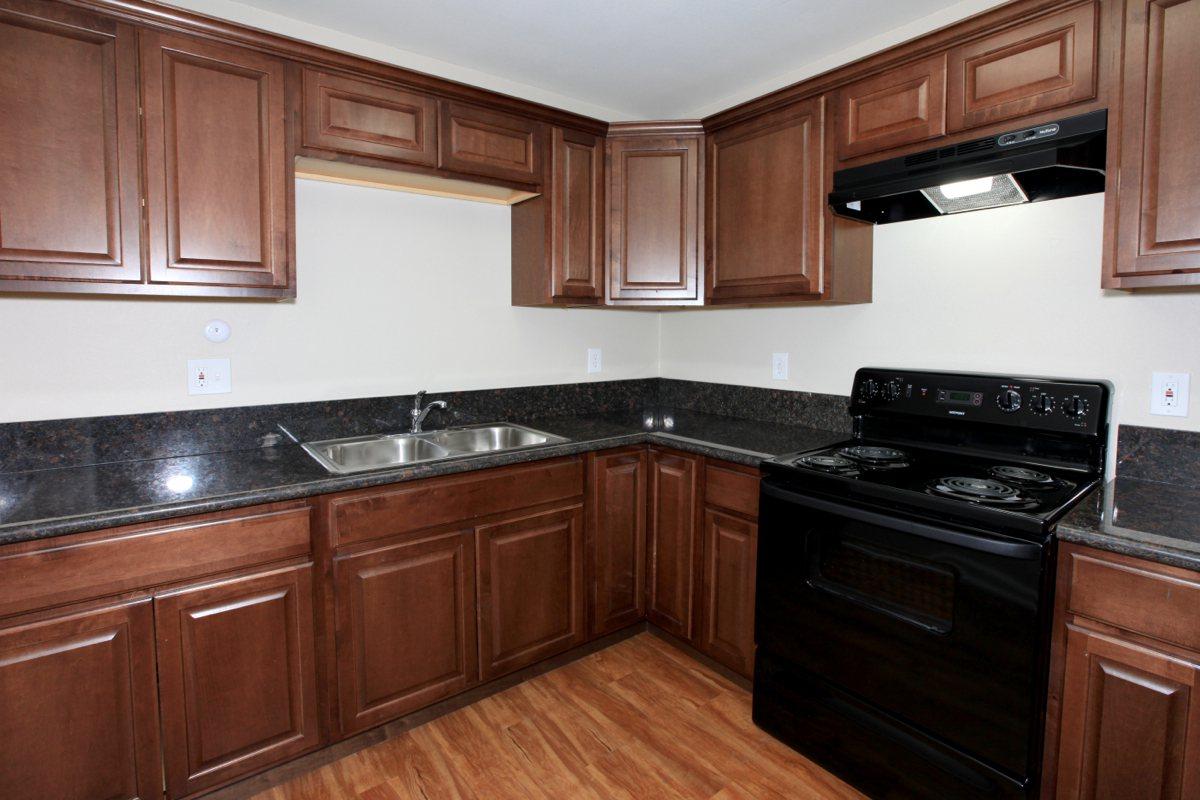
<point>972,195</point>
<point>966,188</point>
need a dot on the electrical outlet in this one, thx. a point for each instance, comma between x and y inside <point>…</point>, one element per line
<point>1169,394</point>
<point>593,362</point>
<point>209,376</point>
<point>779,366</point>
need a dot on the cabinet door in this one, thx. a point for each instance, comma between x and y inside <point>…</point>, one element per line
<point>674,545</point>
<point>617,539</point>
<point>479,141</point>
<point>902,106</point>
<point>530,579</point>
<point>237,677</point>
<point>69,196</point>
<point>1158,192</point>
<point>217,170</point>
<point>78,706</point>
<point>766,205</point>
<point>406,627</point>
<point>1130,722</point>
<point>1035,67</point>
<point>577,194</point>
<point>654,219</point>
<point>359,117</point>
<point>727,613</point>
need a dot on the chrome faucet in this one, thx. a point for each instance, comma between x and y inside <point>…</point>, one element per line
<point>418,413</point>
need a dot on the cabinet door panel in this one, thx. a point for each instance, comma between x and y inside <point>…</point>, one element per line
<point>578,197</point>
<point>766,205</point>
<point>69,195</point>
<point>617,540</point>
<point>363,118</point>
<point>898,107</point>
<point>406,627</point>
<point>479,141</point>
<point>730,550</point>
<point>237,677</point>
<point>78,707</point>
<point>1130,722</point>
<point>674,544</point>
<point>530,579</point>
<point>1045,64</point>
<point>217,170</point>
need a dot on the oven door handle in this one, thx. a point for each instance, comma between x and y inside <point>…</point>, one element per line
<point>1026,551</point>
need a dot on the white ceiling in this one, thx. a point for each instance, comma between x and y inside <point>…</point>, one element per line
<point>641,59</point>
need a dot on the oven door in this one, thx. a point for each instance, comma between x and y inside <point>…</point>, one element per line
<point>934,630</point>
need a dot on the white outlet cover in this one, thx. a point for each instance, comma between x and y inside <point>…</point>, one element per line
<point>593,359</point>
<point>779,366</point>
<point>209,376</point>
<point>1169,394</point>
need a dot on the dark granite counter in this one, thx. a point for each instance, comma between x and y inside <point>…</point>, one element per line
<point>1146,519</point>
<point>42,503</point>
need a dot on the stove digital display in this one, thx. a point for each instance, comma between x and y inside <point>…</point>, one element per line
<point>954,397</point>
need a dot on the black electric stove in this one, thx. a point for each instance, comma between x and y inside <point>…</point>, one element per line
<point>905,580</point>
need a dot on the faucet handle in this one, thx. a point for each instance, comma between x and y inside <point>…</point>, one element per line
<point>419,400</point>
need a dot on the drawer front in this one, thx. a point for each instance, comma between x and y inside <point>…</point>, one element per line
<point>731,489</point>
<point>1138,596</point>
<point>373,514</point>
<point>898,107</point>
<point>363,118</point>
<point>482,142</point>
<point>98,564</point>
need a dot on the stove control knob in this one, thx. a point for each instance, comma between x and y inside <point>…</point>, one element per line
<point>1009,400</point>
<point>891,390</point>
<point>1042,404</point>
<point>1075,407</point>
<point>868,389</point>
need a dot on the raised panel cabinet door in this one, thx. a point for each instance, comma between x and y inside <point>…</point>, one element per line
<point>654,219</point>
<point>902,106</point>
<point>479,141</point>
<point>617,539</point>
<point>1130,722</point>
<point>577,271</point>
<point>727,613</point>
<point>406,627</point>
<point>79,706</point>
<point>69,191</point>
<point>1158,192</point>
<point>217,168</point>
<point>349,115</point>
<point>1044,64</point>
<point>766,205</point>
<point>674,542</point>
<point>237,677</point>
<point>530,582</point>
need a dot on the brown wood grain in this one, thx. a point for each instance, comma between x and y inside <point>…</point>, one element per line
<point>727,607</point>
<point>731,487</point>
<point>616,539</point>
<point>476,140</point>
<point>902,106</point>
<point>674,542</point>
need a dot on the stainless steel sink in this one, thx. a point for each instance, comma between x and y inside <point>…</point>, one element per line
<point>361,453</point>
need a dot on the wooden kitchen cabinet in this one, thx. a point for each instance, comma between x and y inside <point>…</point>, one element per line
<point>616,539</point>
<point>79,705</point>
<point>1152,238</point>
<point>237,676</point>
<point>903,105</point>
<point>480,141</point>
<point>655,240</point>
<point>405,626</point>
<point>674,542</point>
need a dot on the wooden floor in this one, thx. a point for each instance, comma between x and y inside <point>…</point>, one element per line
<point>638,720</point>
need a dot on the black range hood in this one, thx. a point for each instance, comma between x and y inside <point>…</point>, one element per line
<point>1045,162</point>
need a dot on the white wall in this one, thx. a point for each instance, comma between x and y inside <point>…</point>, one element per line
<point>1006,290</point>
<point>397,292</point>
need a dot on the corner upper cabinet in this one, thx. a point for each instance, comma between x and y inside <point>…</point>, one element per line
<point>69,192</point>
<point>654,222</point>
<point>218,178</point>
<point>904,105</point>
<point>479,141</point>
<point>1153,196</point>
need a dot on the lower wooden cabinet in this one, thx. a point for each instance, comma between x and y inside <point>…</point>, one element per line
<point>674,542</point>
<point>727,618</point>
<point>237,676</point>
<point>405,627</point>
<point>79,707</point>
<point>616,539</point>
<point>530,581</point>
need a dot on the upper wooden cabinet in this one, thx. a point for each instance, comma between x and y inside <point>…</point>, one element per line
<point>365,118</point>
<point>1027,69</point>
<point>218,179</point>
<point>69,193</point>
<point>479,141</point>
<point>654,221</point>
<point>1153,230</point>
<point>901,106</point>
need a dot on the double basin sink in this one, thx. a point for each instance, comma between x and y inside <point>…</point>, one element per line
<point>362,453</point>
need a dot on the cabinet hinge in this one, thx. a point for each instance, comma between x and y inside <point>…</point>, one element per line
<point>143,202</point>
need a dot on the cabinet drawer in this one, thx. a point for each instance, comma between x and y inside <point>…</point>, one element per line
<point>731,489</point>
<point>56,571</point>
<point>373,514</point>
<point>482,142</point>
<point>1138,596</point>
<point>364,118</point>
<point>902,106</point>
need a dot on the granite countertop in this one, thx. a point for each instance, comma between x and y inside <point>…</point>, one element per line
<point>38,504</point>
<point>1146,519</point>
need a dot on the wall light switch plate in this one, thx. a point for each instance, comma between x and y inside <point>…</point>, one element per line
<point>1169,394</point>
<point>209,376</point>
<point>779,366</point>
<point>593,363</point>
